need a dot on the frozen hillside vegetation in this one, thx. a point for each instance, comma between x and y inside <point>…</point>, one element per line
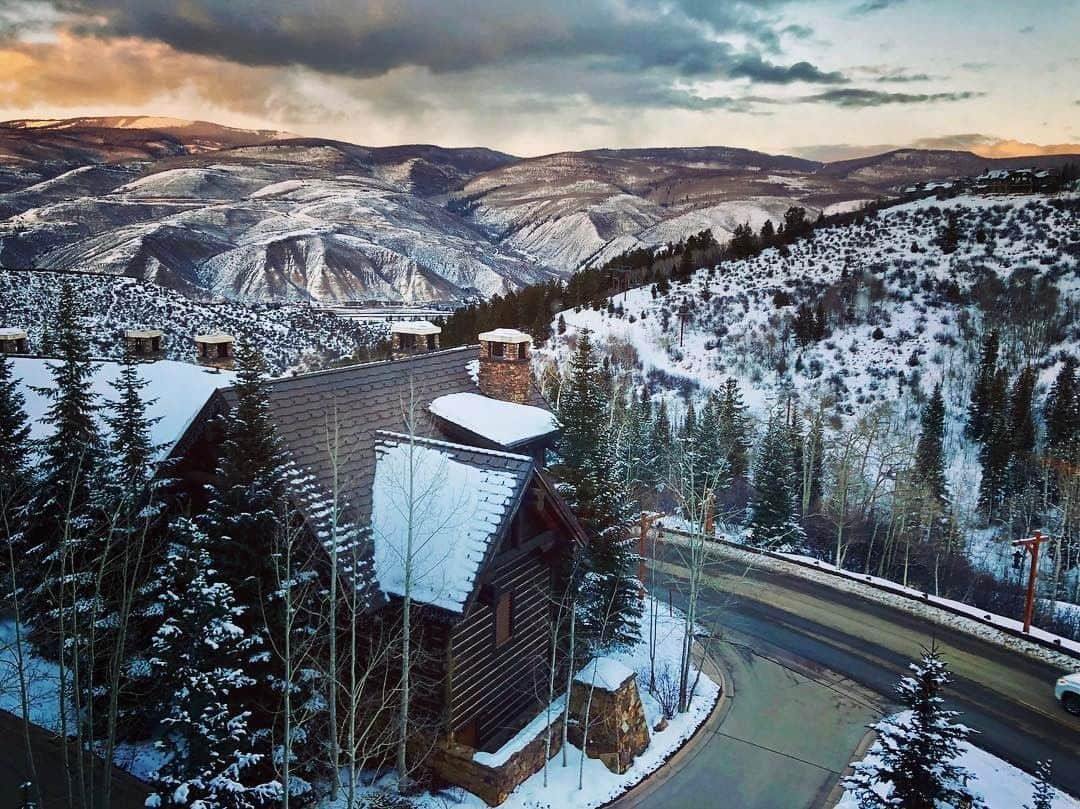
<point>289,336</point>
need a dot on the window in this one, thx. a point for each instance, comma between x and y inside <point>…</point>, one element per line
<point>504,620</point>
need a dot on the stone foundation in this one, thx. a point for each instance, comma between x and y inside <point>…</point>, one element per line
<point>454,763</point>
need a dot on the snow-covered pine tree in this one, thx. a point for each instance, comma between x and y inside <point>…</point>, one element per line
<point>735,429</point>
<point>915,754</point>
<point>1062,410</point>
<point>1023,468</point>
<point>14,447</point>
<point>589,483</point>
<point>774,517</point>
<point>246,510</point>
<point>62,539</point>
<point>200,652</point>
<point>929,466</point>
<point>659,446</point>
<point>980,406</point>
<point>1044,792</point>
<point>796,440</point>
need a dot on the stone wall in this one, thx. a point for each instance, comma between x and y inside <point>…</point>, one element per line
<point>454,764</point>
<point>618,732</point>
<point>506,379</point>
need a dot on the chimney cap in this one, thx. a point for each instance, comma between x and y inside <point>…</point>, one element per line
<point>12,334</point>
<point>216,337</point>
<point>143,334</point>
<point>418,327</point>
<point>505,336</point>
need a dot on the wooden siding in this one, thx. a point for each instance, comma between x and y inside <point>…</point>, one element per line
<point>493,686</point>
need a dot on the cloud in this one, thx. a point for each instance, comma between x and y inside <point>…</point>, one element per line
<point>872,6</point>
<point>344,37</point>
<point>851,97</point>
<point>755,68</point>
<point>990,146</point>
<point>831,152</point>
<point>1028,29</point>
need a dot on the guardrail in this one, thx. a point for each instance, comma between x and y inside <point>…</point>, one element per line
<point>987,618</point>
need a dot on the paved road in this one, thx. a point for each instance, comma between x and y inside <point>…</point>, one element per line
<point>812,665</point>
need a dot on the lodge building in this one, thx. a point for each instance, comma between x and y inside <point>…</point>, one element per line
<point>471,427</point>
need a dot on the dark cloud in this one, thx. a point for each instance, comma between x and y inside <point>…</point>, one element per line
<point>797,31</point>
<point>1028,29</point>
<point>851,97</point>
<point>367,40</point>
<point>756,69</point>
<point>871,6</point>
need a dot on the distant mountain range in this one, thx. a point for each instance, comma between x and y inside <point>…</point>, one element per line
<point>214,211</point>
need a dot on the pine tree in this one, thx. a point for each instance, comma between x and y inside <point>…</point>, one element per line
<point>797,443</point>
<point>734,429</point>
<point>994,457</point>
<point>62,540</point>
<point>774,517</point>
<point>1044,792</point>
<point>14,441</point>
<point>979,407</point>
<point>929,467</point>
<point>199,655</point>
<point>1022,465</point>
<point>660,446</point>
<point>916,751</point>
<point>589,485</point>
<point>1062,409</point>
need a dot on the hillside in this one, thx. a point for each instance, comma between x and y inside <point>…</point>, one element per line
<point>902,315</point>
<point>208,210</point>
<point>289,336</point>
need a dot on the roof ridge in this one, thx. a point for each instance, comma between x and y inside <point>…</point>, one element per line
<point>374,363</point>
<point>419,439</point>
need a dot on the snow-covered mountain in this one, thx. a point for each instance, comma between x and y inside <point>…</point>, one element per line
<point>262,215</point>
<point>289,336</point>
<point>902,313</point>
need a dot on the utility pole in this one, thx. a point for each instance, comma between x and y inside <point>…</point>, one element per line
<point>684,313</point>
<point>1031,544</point>
<point>643,548</point>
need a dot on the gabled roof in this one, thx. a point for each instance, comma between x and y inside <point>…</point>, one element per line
<point>352,411</point>
<point>443,507</point>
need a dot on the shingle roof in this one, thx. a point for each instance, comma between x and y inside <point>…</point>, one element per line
<point>358,402</point>
<point>461,503</point>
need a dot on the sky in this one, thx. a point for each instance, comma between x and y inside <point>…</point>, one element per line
<point>825,79</point>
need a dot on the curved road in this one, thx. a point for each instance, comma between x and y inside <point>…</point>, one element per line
<point>812,665</point>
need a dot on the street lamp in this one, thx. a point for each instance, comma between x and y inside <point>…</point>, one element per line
<point>1031,544</point>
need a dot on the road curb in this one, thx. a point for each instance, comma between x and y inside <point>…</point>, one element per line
<point>837,791</point>
<point>678,760</point>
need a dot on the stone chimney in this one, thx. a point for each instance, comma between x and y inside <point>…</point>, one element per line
<point>215,350</point>
<point>14,341</point>
<point>504,365</point>
<point>411,337</point>
<point>145,343</point>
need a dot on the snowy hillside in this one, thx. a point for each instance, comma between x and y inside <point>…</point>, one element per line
<point>289,336</point>
<point>902,315</point>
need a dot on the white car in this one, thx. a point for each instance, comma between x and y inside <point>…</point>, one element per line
<point>1067,692</point>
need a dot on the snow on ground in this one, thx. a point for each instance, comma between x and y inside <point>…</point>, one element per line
<point>600,784</point>
<point>175,392</point>
<point>41,678</point>
<point>1000,784</point>
<point>505,423</point>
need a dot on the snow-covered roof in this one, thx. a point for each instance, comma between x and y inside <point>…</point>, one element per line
<point>604,673</point>
<point>418,327</point>
<point>143,334</point>
<point>460,500</point>
<point>505,423</point>
<point>214,338</point>
<point>505,336</point>
<point>175,393</point>
<point>12,334</point>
